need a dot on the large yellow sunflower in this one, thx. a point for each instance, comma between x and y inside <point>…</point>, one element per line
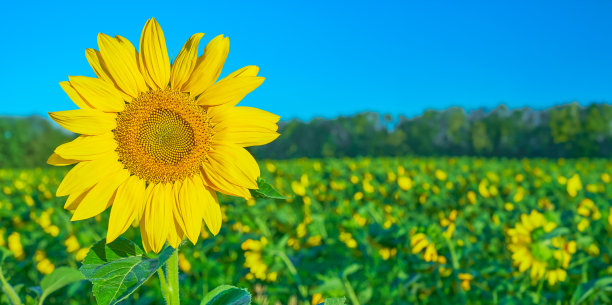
<point>531,248</point>
<point>159,139</point>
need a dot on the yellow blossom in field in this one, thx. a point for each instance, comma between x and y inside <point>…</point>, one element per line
<point>387,253</point>
<point>610,217</point>
<point>440,175</point>
<point>14,244</point>
<point>298,188</point>
<point>418,242</point>
<point>530,251</point>
<point>508,206</point>
<point>583,224</point>
<point>465,279</point>
<point>405,183</point>
<point>348,240</point>
<point>358,196</point>
<point>72,244</point>
<point>183,263</point>
<point>80,255</point>
<point>314,241</point>
<point>361,221</point>
<point>593,250</point>
<point>270,167</point>
<point>605,177</point>
<point>574,185</point>
<point>317,298</point>
<point>471,196</point>
<point>354,179</point>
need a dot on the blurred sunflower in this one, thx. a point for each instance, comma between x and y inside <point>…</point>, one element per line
<point>159,139</point>
<point>531,249</point>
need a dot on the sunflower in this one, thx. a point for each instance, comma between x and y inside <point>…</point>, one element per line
<point>533,250</point>
<point>158,140</point>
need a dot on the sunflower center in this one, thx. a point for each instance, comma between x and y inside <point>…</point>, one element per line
<point>163,136</point>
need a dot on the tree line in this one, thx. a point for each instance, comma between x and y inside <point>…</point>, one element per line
<point>563,131</point>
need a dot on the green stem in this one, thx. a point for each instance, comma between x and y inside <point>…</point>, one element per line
<point>301,288</point>
<point>173,278</point>
<point>164,285</point>
<point>8,289</point>
<point>350,290</point>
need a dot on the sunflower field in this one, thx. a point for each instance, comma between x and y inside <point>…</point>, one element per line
<point>376,230</point>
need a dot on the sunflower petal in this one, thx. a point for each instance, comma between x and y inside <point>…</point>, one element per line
<point>208,66</point>
<point>220,184</point>
<point>57,160</point>
<point>75,199</point>
<point>229,91</point>
<point>153,56</point>
<point>190,203</point>
<point>236,164</point>
<point>128,202</point>
<point>244,126</point>
<point>101,195</point>
<point>87,173</point>
<point>120,60</point>
<point>211,210</point>
<point>185,62</point>
<point>157,217</point>
<point>87,147</point>
<point>245,71</point>
<point>74,96</point>
<point>85,121</point>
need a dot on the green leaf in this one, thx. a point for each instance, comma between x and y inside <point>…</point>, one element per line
<point>335,301</point>
<point>350,270</point>
<point>227,295</point>
<point>59,278</point>
<point>266,191</point>
<point>117,269</point>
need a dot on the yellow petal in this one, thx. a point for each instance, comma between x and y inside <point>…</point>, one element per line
<point>74,96</point>
<point>75,199</point>
<point>229,90</point>
<point>157,216</point>
<point>185,62</point>
<point>57,160</point>
<point>211,208</point>
<point>153,56</point>
<point>98,93</point>
<point>235,164</point>
<point>175,235</point>
<point>244,126</point>
<point>87,147</point>
<point>87,173</point>
<point>245,71</point>
<point>191,208</point>
<point>100,196</point>
<point>120,60</point>
<point>220,184</point>
<point>208,66</point>
<point>95,61</point>
<point>85,121</point>
<point>127,203</point>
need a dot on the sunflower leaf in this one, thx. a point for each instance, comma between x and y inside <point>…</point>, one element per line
<point>227,295</point>
<point>59,278</point>
<point>117,269</point>
<point>265,190</point>
<point>335,301</point>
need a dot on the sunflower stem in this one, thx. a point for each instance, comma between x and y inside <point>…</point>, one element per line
<point>172,270</point>
<point>164,285</point>
<point>8,289</point>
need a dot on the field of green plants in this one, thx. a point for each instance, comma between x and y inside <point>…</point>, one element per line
<point>376,230</point>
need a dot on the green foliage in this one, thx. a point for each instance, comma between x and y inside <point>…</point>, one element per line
<point>266,191</point>
<point>28,141</point>
<point>335,301</point>
<point>227,295</point>
<point>119,268</point>
<point>564,131</point>
<point>58,279</point>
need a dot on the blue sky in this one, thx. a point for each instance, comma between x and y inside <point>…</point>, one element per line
<point>326,58</point>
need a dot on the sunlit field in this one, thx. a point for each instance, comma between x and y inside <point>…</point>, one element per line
<point>376,230</point>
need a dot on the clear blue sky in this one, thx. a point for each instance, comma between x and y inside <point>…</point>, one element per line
<point>325,58</point>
